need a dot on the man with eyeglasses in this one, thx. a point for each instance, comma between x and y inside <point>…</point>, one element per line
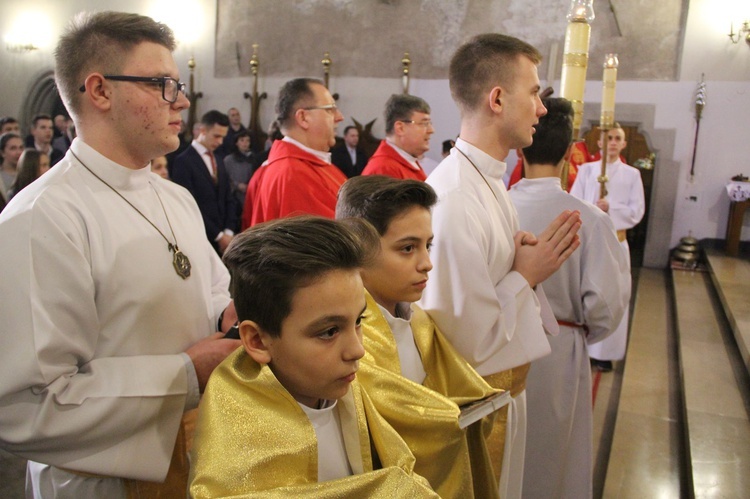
<point>407,137</point>
<point>97,368</point>
<point>298,176</point>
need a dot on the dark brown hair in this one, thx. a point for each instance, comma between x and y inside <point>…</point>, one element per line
<point>553,133</point>
<point>292,96</point>
<point>379,199</point>
<point>270,261</point>
<point>28,169</point>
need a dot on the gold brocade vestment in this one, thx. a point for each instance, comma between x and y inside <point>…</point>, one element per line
<point>254,440</point>
<point>455,461</point>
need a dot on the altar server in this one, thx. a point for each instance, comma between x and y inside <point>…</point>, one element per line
<point>588,294</point>
<point>112,295</point>
<point>625,204</point>
<point>481,291</point>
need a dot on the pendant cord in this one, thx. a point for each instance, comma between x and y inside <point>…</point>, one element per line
<point>479,172</point>
<point>133,206</point>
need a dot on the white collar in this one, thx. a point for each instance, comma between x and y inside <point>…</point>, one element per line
<point>543,184</point>
<point>486,164</point>
<point>322,155</point>
<point>118,176</point>
<point>408,157</point>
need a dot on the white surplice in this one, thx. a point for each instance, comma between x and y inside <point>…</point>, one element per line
<point>626,208</point>
<point>593,288</point>
<point>487,311</point>
<point>95,320</point>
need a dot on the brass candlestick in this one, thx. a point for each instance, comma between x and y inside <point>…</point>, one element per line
<point>327,62</point>
<point>405,63</point>
<point>607,117</point>
<point>257,135</point>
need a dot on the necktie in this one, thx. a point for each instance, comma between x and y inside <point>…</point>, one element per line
<point>213,165</point>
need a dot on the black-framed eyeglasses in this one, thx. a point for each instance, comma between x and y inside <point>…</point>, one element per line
<point>170,88</point>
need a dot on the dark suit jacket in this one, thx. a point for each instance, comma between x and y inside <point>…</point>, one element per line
<point>340,157</point>
<point>215,201</point>
<point>55,156</point>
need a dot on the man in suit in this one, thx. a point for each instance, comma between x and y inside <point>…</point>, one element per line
<point>349,158</point>
<point>41,138</point>
<point>407,137</point>
<point>204,175</point>
<point>235,127</point>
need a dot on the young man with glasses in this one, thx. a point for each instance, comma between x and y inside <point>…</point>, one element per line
<point>98,368</point>
<point>298,176</point>
<point>407,137</point>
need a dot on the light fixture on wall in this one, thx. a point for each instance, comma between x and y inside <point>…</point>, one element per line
<point>742,32</point>
<point>30,31</point>
<point>19,47</point>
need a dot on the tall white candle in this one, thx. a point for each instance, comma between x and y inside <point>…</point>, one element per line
<point>576,57</point>
<point>609,81</point>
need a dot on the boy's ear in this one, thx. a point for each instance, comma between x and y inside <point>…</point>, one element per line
<point>252,337</point>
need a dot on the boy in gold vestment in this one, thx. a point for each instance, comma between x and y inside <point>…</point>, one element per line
<point>415,377</point>
<point>284,415</point>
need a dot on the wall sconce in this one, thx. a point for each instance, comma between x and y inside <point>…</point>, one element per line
<point>742,32</point>
<point>20,47</point>
<point>30,31</point>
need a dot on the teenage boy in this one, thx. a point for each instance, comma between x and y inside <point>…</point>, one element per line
<point>415,377</point>
<point>98,372</point>
<point>588,295</point>
<point>483,292</point>
<point>625,203</point>
<point>285,415</point>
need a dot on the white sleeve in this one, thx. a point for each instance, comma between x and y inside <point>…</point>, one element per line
<point>62,403</point>
<point>628,210</point>
<point>605,280</point>
<point>480,314</point>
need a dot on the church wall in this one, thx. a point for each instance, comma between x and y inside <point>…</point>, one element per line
<point>723,146</point>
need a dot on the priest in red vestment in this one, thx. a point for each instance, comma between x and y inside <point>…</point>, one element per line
<point>298,176</point>
<point>407,137</point>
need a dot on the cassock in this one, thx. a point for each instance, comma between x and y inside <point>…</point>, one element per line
<point>486,310</point>
<point>626,208</point>
<point>254,440</point>
<point>95,321</point>
<point>393,163</point>
<point>588,294</point>
<point>455,461</point>
<point>292,182</point>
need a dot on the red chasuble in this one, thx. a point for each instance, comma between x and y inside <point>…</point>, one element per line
<point>386,161</point>
<point>294,182</point>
